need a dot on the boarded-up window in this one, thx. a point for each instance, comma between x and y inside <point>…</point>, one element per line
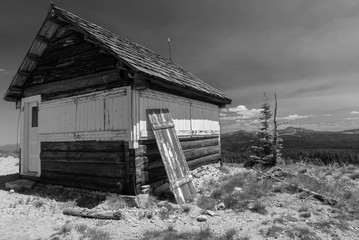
<point>34,117</point>
<point>99,115</point>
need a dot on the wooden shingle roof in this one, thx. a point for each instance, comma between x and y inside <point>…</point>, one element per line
<point>138,57</point>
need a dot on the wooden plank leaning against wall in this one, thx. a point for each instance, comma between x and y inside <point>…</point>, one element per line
<point>173,159</point>
<point>200,142</point>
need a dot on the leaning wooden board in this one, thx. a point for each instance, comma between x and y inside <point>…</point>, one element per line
<point>173,158</point>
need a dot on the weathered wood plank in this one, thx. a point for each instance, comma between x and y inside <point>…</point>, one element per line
<point>186,144</point>
<point>85,90</point>
<point>204,161</point>
<point>141,162</point>
<point>74,83</point>
<point>88,169</point>
<point>63,32</point>
<point>200,152</point>
<point>73,69</point>
<point>53,57</point>
<point>189,154</point>
<point>191,144</point>
<point>84,146</point>
<point>81,181</point>
<point>77,157</point>
<point>172,154</point>
<point>97,214</point>
<point>141,150</point>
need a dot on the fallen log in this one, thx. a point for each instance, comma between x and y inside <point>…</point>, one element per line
<point>85,213</point>
<point>325,199</point>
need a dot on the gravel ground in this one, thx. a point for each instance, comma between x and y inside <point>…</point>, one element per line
<point>29,216</point>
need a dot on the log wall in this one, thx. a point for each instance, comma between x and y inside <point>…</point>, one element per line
<point>197,151</point>
<point>96,165</point>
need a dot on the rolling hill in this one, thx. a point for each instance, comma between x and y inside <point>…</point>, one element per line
<point>299,143</point>
<point>9,148</point>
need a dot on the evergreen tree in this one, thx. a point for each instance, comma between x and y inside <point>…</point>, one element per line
<point>261,151</point>
<point>266,148</point>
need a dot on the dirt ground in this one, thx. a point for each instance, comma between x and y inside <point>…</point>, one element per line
<point>31,215</point>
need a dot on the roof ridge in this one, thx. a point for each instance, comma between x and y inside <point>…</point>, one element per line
<point>128,40</point>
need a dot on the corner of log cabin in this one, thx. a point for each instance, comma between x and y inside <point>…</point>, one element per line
<point>198,152</point>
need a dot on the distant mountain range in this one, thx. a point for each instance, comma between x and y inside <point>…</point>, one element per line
<point>298,138</point>
<point>9,148</point>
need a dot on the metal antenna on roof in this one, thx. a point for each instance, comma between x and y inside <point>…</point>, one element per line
<point>169,48</point>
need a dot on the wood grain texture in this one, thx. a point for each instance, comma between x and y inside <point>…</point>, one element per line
<point>82,181</point>
<point>198,152</point>
<point>172,155</point>
<point>101,164</point>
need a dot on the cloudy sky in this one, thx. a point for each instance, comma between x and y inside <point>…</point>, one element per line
<point>307,51</point>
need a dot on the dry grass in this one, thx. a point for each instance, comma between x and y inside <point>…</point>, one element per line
<point>258,207</point>
<point>96,234</point>
<point>203,234</point>
<point>301,233</point>
<point>251,188</point>
<point>206,202</point>
<point>293,232</point>
<point>272,232</point>
<point>85,232</point>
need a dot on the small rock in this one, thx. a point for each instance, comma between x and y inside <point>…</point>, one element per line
<point>303,171</point>
<point>11,191</point>
<point>169,206</point>
<point>238,190</point>
<point>220,206</point>
<point>20,185</point>
<point>211,213</point>
<point>142,200</point>
<point>202,218</point>
<point>162,203</point>
<point>175,206</point>
<point>250,206</point>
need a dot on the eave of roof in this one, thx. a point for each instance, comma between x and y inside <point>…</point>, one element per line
<point>139,58</point>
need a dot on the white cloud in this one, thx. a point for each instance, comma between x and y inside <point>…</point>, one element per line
<point>244,112</point>
<point>354,112</point>
<point>2,70</point>
<point>354,118</point>
<point>327,115</point>
<point>228,118</point>
<point>295,116</point>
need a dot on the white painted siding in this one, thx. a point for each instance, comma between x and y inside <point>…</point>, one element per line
<point>205,119</point>
<point>191,117</point>
<point>96,116</point>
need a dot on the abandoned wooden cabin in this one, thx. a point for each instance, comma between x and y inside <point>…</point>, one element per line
<point>83,93</point>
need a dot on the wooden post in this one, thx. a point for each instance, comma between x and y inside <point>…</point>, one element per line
<point>275,138</point>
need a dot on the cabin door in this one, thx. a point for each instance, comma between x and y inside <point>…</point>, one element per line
<point>31,143</point>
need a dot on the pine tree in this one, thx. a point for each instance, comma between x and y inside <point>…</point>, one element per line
<point>261,151</point>
<point>266,149</point>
